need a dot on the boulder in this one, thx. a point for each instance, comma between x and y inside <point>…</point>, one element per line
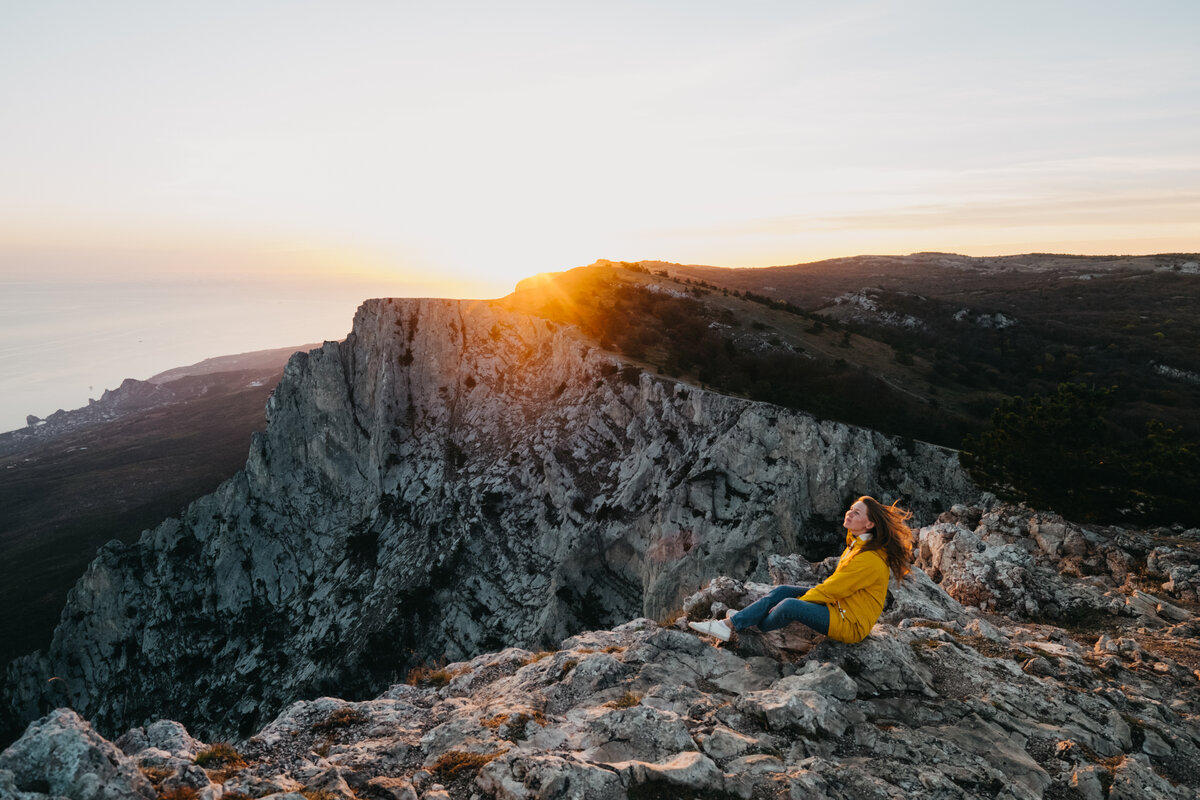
<point>61,755</point>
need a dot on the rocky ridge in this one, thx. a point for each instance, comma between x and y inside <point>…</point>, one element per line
<point>450,479</point>
<point>963,690</point>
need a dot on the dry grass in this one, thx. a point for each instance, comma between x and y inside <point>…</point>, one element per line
<point>667,619</point>
<point>428,676</point>
<point>157,775</point>
<point>455,763</point>
<point>627,700</point>
<point>512,726</point>
<point>221,754</point>
<point>535,657</point>
<point>343,717</point>
<point>179,793</point>
<point>319,794</point>
<point>494,722</point>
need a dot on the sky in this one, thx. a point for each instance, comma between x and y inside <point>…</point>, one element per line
<point>450,149</point>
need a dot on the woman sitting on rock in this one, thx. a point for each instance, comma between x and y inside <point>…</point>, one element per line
<point>846,605</point>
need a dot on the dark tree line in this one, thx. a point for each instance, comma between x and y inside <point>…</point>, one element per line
<point>1062,451</point>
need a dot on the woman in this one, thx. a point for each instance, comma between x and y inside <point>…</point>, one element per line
<point>846,605</point>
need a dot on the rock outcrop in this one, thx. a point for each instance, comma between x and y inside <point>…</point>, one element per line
<point>450,479</point>
<point>942,700</point>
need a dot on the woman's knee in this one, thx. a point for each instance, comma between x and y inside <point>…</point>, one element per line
<point>783,592</point>
<point>813,615</point>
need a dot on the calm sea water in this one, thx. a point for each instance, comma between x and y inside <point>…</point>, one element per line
<point>61,344</point>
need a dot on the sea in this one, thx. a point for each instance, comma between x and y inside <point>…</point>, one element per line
<point>62,344</point>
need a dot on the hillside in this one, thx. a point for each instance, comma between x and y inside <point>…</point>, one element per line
<point>141,453</point>
<point>978,327</point>
<point>925,346</point>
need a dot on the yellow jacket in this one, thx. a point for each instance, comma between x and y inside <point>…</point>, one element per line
<point>855,592</point>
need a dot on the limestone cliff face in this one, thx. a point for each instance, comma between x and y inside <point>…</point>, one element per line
<point>450,479</point>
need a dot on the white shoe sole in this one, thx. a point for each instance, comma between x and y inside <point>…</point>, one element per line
<point>713,627</point>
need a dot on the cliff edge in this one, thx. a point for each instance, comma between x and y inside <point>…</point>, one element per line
<point>451,479</point>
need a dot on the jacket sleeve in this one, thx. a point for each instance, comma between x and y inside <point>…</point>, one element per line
<point>862,571</point>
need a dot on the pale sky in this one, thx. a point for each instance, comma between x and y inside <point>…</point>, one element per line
<point>459,146</point>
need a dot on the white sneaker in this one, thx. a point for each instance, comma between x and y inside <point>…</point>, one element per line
<point>713,627</point>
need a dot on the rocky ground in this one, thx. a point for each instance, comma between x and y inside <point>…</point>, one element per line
<point>1028,658</point>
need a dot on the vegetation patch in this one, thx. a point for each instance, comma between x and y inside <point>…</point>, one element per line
<point>512,726</point>
<point>221,754</point>
<point>494,722</point>
<point>428,676</point>
<point>319,794</point>
<point>457,763</point>
<point>534,657</point>
<point>627,700</point>
<point>986,647</point>
<point>1064,451</point>
<point>157,775</point>
<point>919,646</point>
<point>343,717</point>
<point>178,793</point>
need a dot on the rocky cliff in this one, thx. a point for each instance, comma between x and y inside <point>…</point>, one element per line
<point>109,470</point>
<point>963,690</point>
<point>451,479</point>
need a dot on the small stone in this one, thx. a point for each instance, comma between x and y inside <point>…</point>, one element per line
<point>1039,666</point>
<point>1155,745</point>
<point>1086,782</point>
<point>392,788</point>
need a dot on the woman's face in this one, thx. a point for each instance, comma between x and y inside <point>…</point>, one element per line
<point>856,520</point>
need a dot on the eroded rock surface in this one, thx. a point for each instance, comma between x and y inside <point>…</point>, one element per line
<point>953,702</point>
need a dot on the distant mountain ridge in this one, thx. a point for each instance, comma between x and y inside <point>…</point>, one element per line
<point>240,362</point>
<point>161,389</point>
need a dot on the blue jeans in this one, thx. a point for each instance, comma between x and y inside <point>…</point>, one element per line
<point>780,607</point>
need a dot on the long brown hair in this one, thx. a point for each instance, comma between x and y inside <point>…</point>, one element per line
<point>890,534</point>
